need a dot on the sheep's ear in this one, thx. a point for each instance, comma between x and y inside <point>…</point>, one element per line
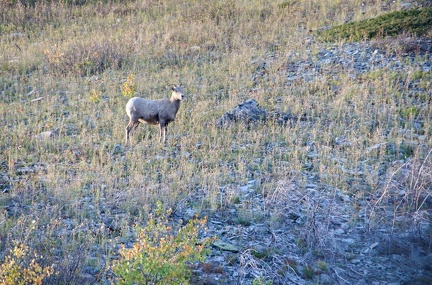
<point>174,87</point>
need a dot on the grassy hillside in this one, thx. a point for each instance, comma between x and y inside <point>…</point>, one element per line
<point>71,189</point>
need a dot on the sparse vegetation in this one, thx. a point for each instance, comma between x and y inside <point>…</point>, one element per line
<point>309,272</point>
<point>356,159</point>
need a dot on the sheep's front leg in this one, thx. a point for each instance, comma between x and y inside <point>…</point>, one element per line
<point>163,131</point>
<point>130,128</point>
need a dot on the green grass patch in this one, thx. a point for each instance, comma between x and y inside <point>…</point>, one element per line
<point>415,21</point>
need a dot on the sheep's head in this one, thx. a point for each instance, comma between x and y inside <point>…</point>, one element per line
<point>177,92</point>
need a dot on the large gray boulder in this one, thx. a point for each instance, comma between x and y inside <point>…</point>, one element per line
<point>248,112</point>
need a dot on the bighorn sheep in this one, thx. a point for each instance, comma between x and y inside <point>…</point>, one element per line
<point>154,112</point>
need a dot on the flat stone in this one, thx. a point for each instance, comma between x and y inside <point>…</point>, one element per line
<point>225,246</point>
<point>339,231</point>
<point>24,170</point>
<point>326,279</point>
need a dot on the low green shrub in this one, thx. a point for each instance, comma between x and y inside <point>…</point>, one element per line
<point>415,21</point>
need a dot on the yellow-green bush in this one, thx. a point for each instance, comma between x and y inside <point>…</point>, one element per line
<point>161,252</point>
<point>19,268</point>
<point>129,86</point>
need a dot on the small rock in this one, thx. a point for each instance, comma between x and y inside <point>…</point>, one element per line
<point>311,186</point>
<point>44,136</point>
<point>342,141</point>
<point>189,214</point>
<point>17,35</point>
<point>245,189</point>
<point>339,232</point>
<point>225,246</point>
<point>116,149</point>
<point>348,240</point>
<point>36,99</point>
<point>424,262</point>
<point>312,154</point>
<point>374,245</point>
<point>24,170</point>
<point>345,226</point>
<point>406,6</point>
<point>326,279</point>
<point>343,197</point>
<point>186,154</point>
